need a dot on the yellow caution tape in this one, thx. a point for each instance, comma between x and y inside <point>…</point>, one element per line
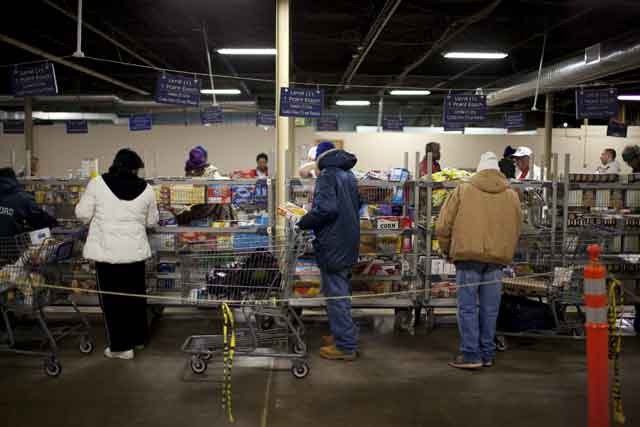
<point>229,339</point>
<point>616,305</point>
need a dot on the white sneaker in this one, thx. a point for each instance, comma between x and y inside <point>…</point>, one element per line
<point>126,355</point>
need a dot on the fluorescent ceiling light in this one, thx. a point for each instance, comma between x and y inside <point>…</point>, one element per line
<point>475,55</point>
<point>628,97</point>
<point>220,91</point>
<point>268,51</point>
<point>410,92</point>
<point>353,103</point>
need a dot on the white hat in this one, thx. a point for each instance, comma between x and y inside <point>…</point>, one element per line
<point>523,152</point>
<point>488,161</point>
<point>311,155</point>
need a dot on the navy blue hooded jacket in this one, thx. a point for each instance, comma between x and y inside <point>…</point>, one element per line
<point>335,214</point>
<point>18,209</point>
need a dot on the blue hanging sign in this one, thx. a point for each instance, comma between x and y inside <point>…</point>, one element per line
<point>13,127</point>
<point>301,102</point>
<point>393,123</point>
<point>34,79</point>
<point>617,129</point>
<point>454,127</point>
<point>77,126</point>
<point>464,109</point>
<point>138,122</point>
<point>178,89</point>
<point>266,118</point>
<point>212,115</point>
<point>327,123</point>
<point>514,120</point>
<point>596,103</point>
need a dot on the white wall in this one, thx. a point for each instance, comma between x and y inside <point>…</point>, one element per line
<point>231,147</point>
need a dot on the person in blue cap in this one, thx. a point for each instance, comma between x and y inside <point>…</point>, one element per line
<point>335,220</point>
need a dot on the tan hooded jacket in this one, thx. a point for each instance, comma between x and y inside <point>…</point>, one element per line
<point>480,220</point>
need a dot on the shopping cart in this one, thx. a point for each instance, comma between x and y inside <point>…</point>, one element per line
<point>548,281</point>
<point>28,261</point>
<point>252,281</point>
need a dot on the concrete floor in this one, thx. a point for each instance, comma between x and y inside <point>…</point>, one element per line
<point>400,380</point>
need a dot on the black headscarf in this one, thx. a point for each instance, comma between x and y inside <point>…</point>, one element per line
<point>122,178</point>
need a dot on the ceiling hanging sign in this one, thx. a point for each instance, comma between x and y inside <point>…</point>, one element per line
<point>140,122</point>
<point>212,115</point>
<point>393,123</point>
<point>454,127</point>
<point>327,123</point>
<point>34,79</point>
<point>596,103</point>
<point>77,126</point>
<point>463,109</point>
<point>178,90</point>
<point>266,118</point>
<point>13,127</point>
<point>617,129</point>
<point>514,120</point>
<point>301,102</point>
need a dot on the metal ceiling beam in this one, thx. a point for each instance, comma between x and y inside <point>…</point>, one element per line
<point>454,30</point>
<point>100,33</point>
<point>61,61</point>
<point>374,32</point>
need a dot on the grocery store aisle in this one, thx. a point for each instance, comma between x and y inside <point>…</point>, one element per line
<point>399,380</point>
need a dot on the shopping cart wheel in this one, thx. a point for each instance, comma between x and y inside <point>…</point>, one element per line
<point>52,367</point>
<point>300,348</point>
<point>266,323</point>
<point>207,356</point>
<point>501,343</point>
<point>86,346</point>
<point>198,366</point>
<point>300,370</point>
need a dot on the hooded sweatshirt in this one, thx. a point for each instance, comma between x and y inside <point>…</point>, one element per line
<point>335,214</point>
<point>481,220</point>
<point>18,209</point>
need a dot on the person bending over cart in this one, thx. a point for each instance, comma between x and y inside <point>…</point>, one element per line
<point>478,229</point>
<point>335,221</point>
<point>18,209</point>
<point>119,207</point>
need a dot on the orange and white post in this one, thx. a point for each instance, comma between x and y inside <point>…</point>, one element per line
<point>596,307</point>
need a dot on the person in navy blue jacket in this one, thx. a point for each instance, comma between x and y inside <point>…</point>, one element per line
<point>18,209</point>
<point>335,221</point>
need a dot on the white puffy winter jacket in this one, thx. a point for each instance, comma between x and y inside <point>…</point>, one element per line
<point>117,231</point>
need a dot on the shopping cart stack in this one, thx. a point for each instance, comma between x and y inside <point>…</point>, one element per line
<point>28,265</point>
<point>253,282</point>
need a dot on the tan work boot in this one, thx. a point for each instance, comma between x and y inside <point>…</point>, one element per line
<point>328,340</point>
<point>332,353</point>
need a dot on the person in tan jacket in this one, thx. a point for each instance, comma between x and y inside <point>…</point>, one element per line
<point>478,229</point>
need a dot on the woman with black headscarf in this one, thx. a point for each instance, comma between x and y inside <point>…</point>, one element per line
<point>119,206</point>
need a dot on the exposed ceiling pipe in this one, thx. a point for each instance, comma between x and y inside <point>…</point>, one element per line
<point>374,32</point>
<point>77,67</point>
<point>455,29</point>
<point>615,57</point>
<point>105,36</point>
<point>79,53</point>
<point>58,116</point>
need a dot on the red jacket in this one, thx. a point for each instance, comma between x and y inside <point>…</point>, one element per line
<point>435,167</point>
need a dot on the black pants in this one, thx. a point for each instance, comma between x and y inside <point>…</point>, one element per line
<point>125,317</point>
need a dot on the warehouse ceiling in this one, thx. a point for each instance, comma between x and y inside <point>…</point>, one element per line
<point>327,36</point>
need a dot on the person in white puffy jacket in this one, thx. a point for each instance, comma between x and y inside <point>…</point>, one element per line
<point>120,206</point>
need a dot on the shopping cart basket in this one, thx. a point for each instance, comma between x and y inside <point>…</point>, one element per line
<point>253,281</point>
<point>25,266</point>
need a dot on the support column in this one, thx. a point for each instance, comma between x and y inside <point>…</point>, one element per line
<point>285,149</point>
<point>548,130</point>
<point>28,134</point>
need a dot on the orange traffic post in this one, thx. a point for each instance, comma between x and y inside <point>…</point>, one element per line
<point>596,308</point>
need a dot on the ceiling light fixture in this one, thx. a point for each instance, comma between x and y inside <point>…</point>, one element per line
<point>475,55</point>
<point>234,51</point>
<point>410,92</point>
<point>220,91</point>
<point>353,103</point>
<point>628,97</point>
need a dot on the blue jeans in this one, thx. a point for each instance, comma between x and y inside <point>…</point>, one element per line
<point>345,333</point>
<point>477,334</point>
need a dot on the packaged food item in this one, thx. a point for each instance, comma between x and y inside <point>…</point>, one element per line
<point>291,211</point>
<point>219,194</point>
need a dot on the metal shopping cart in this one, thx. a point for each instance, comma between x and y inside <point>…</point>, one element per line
<point>253,281</point>
<point>28,261</point>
